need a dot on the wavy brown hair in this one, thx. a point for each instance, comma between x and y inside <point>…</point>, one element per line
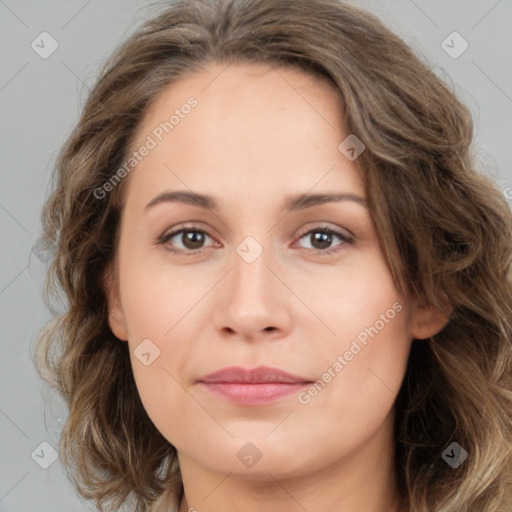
<point>444,228</point>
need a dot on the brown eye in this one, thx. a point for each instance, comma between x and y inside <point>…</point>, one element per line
<point>322,238</point>
<point>191,239</point>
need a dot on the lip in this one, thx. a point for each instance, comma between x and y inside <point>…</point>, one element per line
<point>255,386</point>
<point>259,375</point>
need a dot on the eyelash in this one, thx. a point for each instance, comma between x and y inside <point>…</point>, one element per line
<point>162,240</point>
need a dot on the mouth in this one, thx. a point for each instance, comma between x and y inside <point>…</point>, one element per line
<point>258,386</point>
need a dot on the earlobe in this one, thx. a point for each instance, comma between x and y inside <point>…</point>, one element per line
<point>115,314</point>
<point>428,320</point>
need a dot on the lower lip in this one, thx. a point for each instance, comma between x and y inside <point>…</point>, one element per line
<point>253,394</point>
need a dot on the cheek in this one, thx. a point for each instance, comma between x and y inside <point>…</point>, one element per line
<point>351,298</point>
<point>356,388</point>
<point>368,358</point>
<point>158,304</point>
<point>162,393</point>
<point>361,363</point>
<point>156,297</point>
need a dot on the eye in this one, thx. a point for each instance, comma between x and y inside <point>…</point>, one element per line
<point>191,237</point>
<point>322,237</point>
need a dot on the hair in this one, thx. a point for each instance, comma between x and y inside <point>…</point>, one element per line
<point>444,228</point>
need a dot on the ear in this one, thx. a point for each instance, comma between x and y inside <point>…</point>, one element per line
<point>427,320</point>
<point>116,319</point>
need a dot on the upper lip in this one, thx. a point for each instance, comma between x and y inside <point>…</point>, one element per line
<point>259,375</point>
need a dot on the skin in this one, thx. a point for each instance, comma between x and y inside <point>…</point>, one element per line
<point>257,136</point>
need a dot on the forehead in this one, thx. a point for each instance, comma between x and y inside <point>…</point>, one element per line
<point>251,126</point>
<point>221,90</point>
<point>268,80</point>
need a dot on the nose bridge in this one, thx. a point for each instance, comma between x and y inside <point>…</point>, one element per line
<point>251,261</point>
<point>252,301</point>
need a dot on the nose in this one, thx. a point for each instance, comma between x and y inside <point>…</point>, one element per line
<point>253,300</point>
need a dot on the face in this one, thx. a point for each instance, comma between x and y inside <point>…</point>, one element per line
<point>260,277</point>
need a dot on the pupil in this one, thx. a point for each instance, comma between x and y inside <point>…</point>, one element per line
<point>323,238</point>
<point>194,238</point>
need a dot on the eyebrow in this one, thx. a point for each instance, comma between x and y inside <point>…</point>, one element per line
<point>292,203</point>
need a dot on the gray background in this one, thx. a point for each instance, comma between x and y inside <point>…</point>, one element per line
<point>40,100</point>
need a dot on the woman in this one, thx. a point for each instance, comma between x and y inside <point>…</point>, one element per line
<point>212,361</point>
